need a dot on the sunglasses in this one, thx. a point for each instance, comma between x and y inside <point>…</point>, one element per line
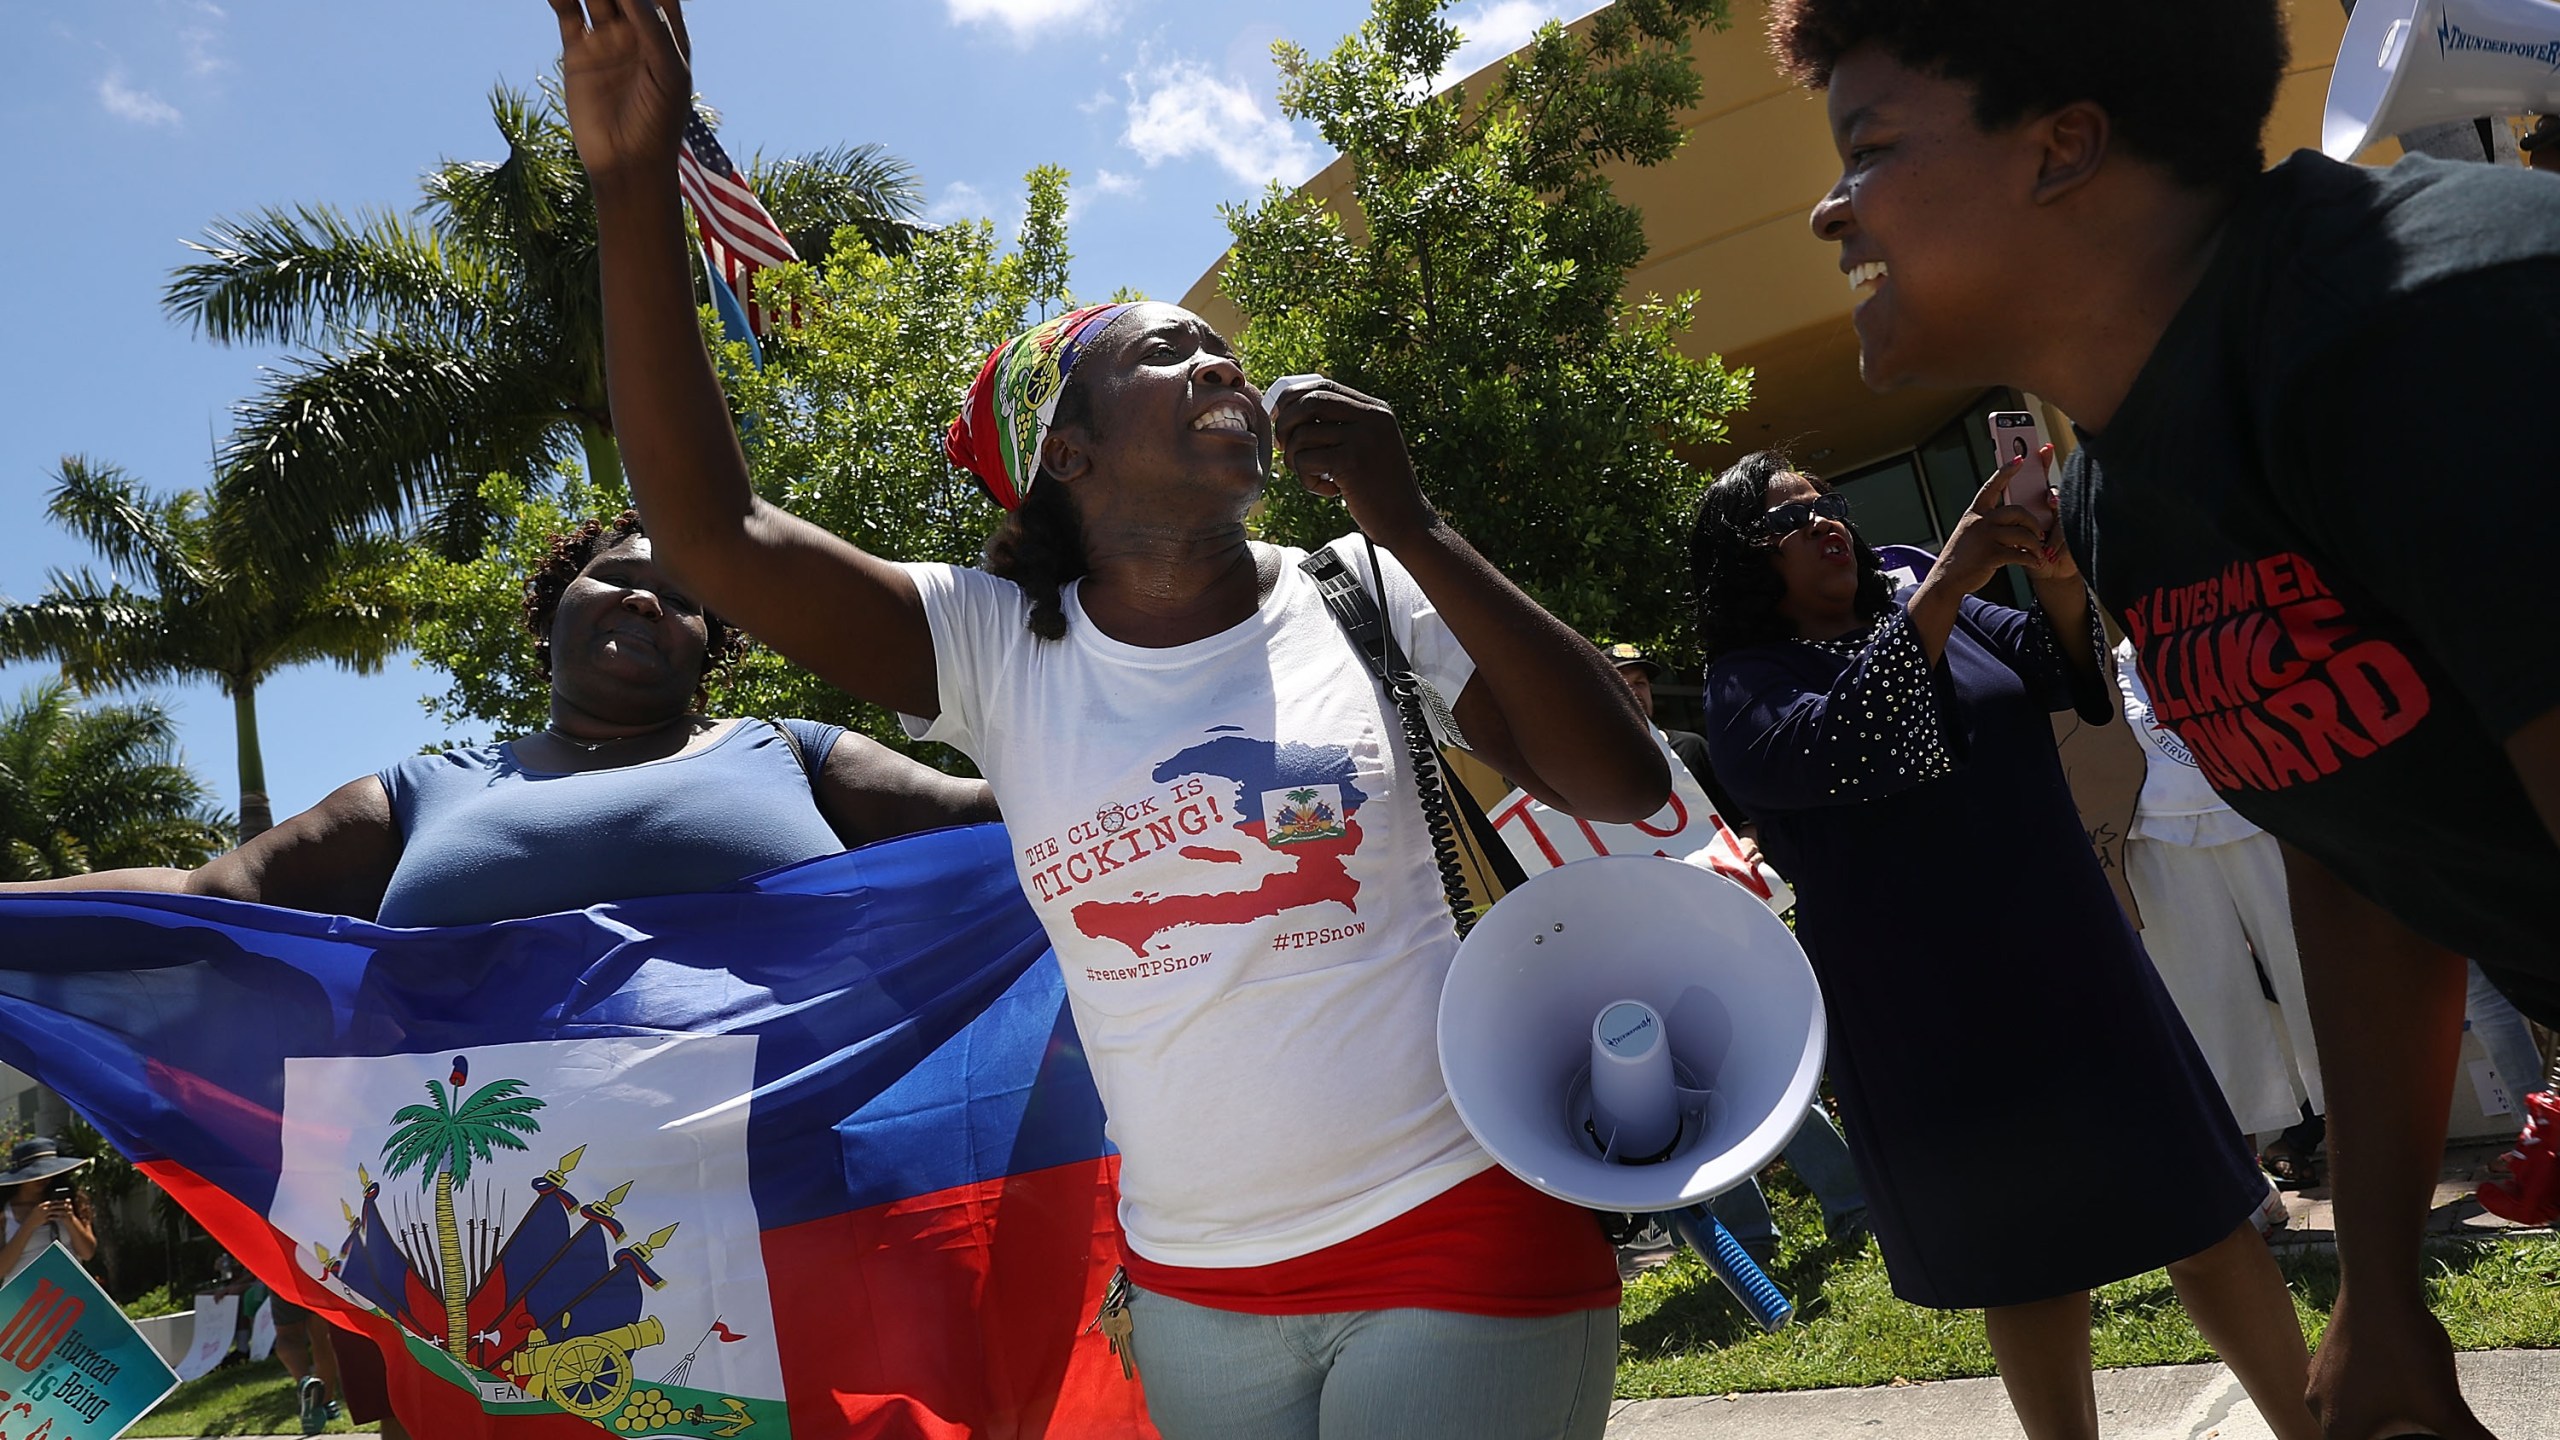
<point>1781,521</point>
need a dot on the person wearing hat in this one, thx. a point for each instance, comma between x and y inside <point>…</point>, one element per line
<point>2541,145</point>
<point>41,1206</point>
<point>1640,670</point>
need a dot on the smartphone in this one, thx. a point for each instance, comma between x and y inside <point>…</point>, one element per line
<point>2017,434</point>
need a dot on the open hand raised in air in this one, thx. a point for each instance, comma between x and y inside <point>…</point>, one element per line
<point>627,78</point>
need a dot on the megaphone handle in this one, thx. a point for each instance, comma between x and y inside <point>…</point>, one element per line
<point>1733,1265</point>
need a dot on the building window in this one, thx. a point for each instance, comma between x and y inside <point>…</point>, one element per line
<point>1916,497</point>
<point>1888,503</point>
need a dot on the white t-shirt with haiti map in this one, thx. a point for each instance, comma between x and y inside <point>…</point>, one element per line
<point>1222,840</point>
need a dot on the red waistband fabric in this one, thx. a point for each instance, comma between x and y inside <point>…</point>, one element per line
<point>1488,1245</point>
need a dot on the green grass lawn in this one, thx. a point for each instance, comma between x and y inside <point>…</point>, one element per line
<point>1685,1336</point>
<point>240,1400</point>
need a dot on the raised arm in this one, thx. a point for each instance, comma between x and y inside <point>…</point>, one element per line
<point>1544,707</point>
<point>335,858</point>
<point>852,618</point>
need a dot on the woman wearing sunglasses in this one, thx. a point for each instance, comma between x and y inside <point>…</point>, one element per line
<point>1994,1021</point>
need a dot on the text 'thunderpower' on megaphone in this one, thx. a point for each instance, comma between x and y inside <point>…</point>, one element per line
<point>2407,64</point>
<point>1594,989</point>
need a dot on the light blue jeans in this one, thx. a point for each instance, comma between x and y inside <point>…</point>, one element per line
<point>1372,1374</point>
<point>1820,1159</point>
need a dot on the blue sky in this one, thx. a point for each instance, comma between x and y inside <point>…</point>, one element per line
<point>141,121</point>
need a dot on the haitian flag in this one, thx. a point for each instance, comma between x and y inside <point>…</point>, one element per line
<point>813,1156</point>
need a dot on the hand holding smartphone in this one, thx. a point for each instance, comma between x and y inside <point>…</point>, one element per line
<point>2015,435</point>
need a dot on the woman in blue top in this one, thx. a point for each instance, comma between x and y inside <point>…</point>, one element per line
<point>1986,995</point>
<point>627,792</point>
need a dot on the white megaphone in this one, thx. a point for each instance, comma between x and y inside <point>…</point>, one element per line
<point>2405,64</point>
<point>1635,1034</point>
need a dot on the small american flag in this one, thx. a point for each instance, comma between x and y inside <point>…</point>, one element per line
<point>738,236</point>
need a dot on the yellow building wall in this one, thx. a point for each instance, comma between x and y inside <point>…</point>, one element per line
<point>1727,216</point>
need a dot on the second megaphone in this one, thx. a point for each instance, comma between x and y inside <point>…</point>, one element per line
<point>2405,64</point>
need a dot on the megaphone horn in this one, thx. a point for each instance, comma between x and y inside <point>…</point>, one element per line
<point>1635,1034</point>
<point>2405,64</point>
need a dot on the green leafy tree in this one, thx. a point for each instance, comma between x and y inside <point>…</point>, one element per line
<point>844,427</point>
<point>1476,287</point>
<point>205,614</point>
<point>97,788</point>
<point>436,350</point>
<point>441,1141</point>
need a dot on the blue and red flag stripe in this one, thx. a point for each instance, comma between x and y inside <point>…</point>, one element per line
<point>926,1188</point>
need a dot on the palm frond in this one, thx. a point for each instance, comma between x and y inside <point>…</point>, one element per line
<point>130,528</point>
<point>491,1094</point>
<point>379,433</point>
<point>310,275</point>
<point>178,841</point>
<point>533,213</point>
<point>96,786</point>
<point>103,635</point>
<point>864,187</point>
<point>415,1151</point>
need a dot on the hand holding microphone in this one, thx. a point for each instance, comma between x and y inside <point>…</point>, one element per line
<point>1346,444</point>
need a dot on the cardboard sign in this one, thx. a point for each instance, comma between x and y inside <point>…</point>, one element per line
<point>2104,765</point>
<point>71,1366</point>
<point>217,1321</point>
<point>1687,829</point>
<point>262,1331</point>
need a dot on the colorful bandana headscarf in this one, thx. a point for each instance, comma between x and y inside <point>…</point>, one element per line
<point>1007,412</point>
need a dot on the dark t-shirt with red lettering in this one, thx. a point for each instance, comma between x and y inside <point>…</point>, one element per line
<point>2327,515</point>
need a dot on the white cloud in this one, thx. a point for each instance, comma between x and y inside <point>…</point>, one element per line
<point>1107,184</point>
<point>1025,18</point>
<point>961,202</point>
<point>201,42</point>
<point>1183,109</point>
<point>139,106</point>
<point>1100,100</point>
<point>1495,28</point>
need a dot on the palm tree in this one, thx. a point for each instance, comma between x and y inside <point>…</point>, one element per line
<point>469,340</point>
<point>232,621</point>
<point>440,1141</point>
<point>97,789</point>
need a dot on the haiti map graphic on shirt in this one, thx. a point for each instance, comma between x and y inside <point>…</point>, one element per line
<point>1268,829</point>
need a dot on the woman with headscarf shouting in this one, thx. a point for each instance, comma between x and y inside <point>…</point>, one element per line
<point>1213,810</point>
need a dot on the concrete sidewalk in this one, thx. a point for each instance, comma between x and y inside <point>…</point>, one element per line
<point>2516,1393</point>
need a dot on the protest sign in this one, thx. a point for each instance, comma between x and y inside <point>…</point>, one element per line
<point>1687,829</point>
<point>71,1366</point>
<point>217,1320</point>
